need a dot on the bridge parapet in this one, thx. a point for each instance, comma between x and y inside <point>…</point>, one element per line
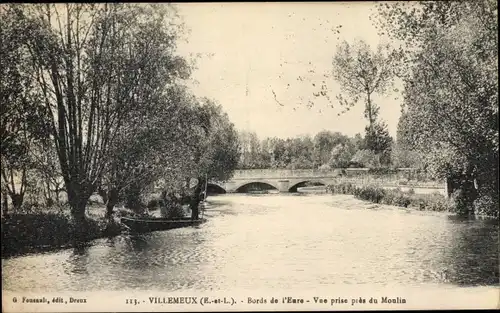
<point>283,179</point>
<point>282,173</point>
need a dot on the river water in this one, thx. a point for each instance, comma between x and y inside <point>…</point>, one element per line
<point>277,242</point>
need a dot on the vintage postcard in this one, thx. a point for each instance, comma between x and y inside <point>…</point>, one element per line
<point>274,156</point>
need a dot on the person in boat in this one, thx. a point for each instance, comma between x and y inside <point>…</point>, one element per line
<point>201,196</point>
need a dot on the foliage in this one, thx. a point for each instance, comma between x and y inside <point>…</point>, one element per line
<point>379,141</point>
<point>171,210</point>
<point>396,197</point>
<point>324,143</point>
<point>22,124</point>
<point>367,157</point>
<point>341,155</point>
<point>215,149</point>
<point>362,73</point>
<point>47,230</point>
<point>451,87</point>
<point>325,150</point>
<point>302,152</point>
<point>405,158</point>
<point>341,188</point>
<point>219,147</point>
<point>486,204</point>
<point>150,147</point>
<point>94,68</point>
<point>251,151</point>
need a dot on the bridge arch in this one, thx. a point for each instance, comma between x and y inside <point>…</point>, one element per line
<point>255,186</point>
<point>305,183</point>
<point>213,188</point>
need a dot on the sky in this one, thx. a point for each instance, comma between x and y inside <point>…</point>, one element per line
<point>259,61</point>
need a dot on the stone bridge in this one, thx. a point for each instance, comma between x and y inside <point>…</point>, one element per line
<point>282,180</point>
<point>288,180</point>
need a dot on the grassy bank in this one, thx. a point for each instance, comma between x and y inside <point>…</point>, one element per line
<point>483,206</point>
<point>396,197</point>
<point>40,231</point>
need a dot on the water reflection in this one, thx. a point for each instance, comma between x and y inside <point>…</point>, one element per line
<point>78,260</point>
<point>276,241</point>
<point>472,258</point>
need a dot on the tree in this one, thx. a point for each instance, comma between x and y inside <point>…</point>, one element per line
<point>266,153</point>
<point>301,152</point>
<point>451,90</point>
<point>324,142</point>
<point>341,155</point>
<point>358,142</point>
<point>367,157</point>
<point>280,155</point>
<point>95,64</point>
<point>379,141</point>
<point>216,148</point>
<point>47,172</point>
<point>151,147</point>
<point>362,73</point>
<point>404,154</point>
<point>251,153</point>
<point>22,117</point>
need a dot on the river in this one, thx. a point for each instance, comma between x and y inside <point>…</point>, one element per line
<point>277,242</point>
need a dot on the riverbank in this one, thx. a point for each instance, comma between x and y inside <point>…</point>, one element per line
<point>50,230</point>
<point>434,202</point>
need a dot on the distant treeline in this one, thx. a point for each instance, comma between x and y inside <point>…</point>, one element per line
<point>325,150</point>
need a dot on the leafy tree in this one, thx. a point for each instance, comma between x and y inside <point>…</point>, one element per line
<point>216,149</point>
<point>402,157</point>
<point>23,119</point>
<point>362,73</point>
<point>404,154</point>
<point>150,147</point>
<point>47,172</point>
<point>279,153</point>
<point>341,155</point>
<point>358,142</point>
<point>251,152</point>
<point>301,149</point>
<point>367,157</point>
<point>379,141</point>
<point>324,142</point>
<point>451,89</point>
<point>94,65</point>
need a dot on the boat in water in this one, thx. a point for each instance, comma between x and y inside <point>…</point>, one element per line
<point>149,224</point>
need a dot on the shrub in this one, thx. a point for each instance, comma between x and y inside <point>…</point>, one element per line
<point>370,193</point>
<point>23,232</point>
<point>153,204</point>
<point>486,205</point>
<point>172,210</point>
<point>396,197</point>
<point>342,188</point>
<point>401,199</point>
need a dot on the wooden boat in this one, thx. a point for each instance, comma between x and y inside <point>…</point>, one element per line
<point>155,224</point>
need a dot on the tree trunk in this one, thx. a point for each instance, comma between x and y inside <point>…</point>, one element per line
<point>17,201</point>
<point>469,194</point>
<point>103,193</point>
<point>57,193</point>
<point>78,203</point>
<point>133,199</point>
<point>369,111</point>
<point>195,199</point>
<point>466,194</point>
<point>111,201</point>
<point>5,207</point>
